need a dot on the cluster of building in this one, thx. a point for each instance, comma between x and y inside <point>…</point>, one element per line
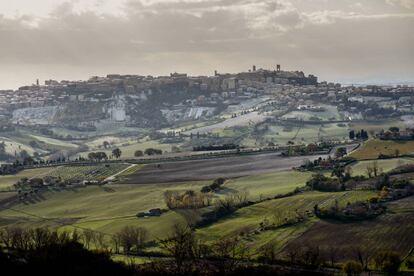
<point>181,97</point>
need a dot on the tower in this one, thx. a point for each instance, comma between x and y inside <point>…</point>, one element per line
<point>254,68</point>
<point>278,68</point>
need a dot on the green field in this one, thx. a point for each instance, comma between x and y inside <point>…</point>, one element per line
<point>7,181</point>
<point>268,185</point>
<point>111,207</point>
<point>384,165</point>
<point>372,148</point>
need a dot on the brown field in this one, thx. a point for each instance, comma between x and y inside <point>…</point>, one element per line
<point>207,169</point>
<point>392,231</point>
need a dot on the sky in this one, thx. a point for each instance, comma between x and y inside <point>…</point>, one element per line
<point>365,41</point>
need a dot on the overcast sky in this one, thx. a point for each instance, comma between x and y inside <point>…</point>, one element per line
<point>337,40</point>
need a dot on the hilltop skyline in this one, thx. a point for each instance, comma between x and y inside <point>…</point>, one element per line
<point>366,41</point>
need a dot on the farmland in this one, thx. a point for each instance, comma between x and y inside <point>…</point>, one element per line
<point>372,148</point>
<point>384,165</point>
<point>247,220</point>
<point>6,181</point>
<point>385,232</point>
<point>231,167</point>
<point>87,172</point>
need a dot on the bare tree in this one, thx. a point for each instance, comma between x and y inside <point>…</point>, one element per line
<point>88,237</point>
<point>229,252</point>
<point>181,246</point>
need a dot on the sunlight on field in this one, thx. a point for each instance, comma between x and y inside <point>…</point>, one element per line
<point>371,149</point>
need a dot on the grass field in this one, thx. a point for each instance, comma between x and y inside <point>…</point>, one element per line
<point>111,207</point>
<point>6,181</point>
<point>384,165</point>
<point>267,185</point>
<point>372,148</point>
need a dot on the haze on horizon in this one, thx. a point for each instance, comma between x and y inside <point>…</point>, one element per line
<point>346,41</point>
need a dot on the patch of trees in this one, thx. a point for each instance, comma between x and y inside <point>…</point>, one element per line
<point>362,134</point>
<point>97,156</point>
<point>186,200</point>
<point>216,147</point>
<point>46,252</point>
<point>215,186</point>
<point>352,212</point>
<point>319,182</point>
<point>224,207</point>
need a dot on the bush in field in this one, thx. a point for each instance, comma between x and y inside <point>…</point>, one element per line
<point>352,268</point>
<point>138,153</point>
<point>151,151</point>
<point>215,186</point>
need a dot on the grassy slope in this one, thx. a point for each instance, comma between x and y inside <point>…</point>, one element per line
<point>268,185</point>
<point>108,209</point>
<point>372,148</point>
<point>386,165</point>
<point>392,231</point>
<point>249,218</point>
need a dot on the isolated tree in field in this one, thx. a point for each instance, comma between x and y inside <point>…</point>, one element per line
<point>117,153</point>
<point>106,144</point>
<point>397,153</point>
<point>138,153</point>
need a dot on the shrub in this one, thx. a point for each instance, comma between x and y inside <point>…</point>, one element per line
<point>352,268</point>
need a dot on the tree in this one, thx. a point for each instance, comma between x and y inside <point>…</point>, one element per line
<point>352,268</point>
<point>132,238</point>
<point>106,144</point>
<point>88,237</point>
<point>340,152</point>
<point>387,261</point>
<point>352,135</point>
<point>138,153</point>
<point>117,153</point>
<point>182,246</point>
